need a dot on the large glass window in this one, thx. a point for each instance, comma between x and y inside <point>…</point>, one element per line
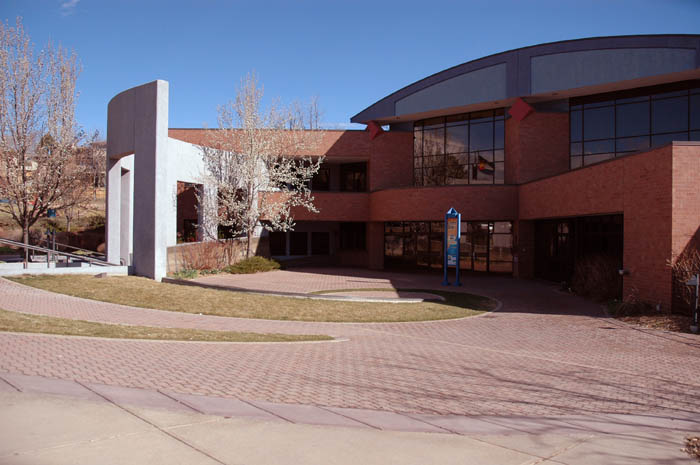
<point>321,181</point>
<point>484,245</point>
<point>460,149</point>
<point>353,177</point>
<point>352,236</point>
<point>608,125</point>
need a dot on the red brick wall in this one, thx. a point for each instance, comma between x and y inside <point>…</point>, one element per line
<point>685,239</point>
<point>647,240</point>
<point>375,245</point>
<point>431,203</point>
<point>513,151</point>
<point>686,198</point>
<point>391,161</point>
<point>639,186</point>
<point>336,206</point>
<point>523,249</point>
<point>537,147</point>
<point>341,144</point>
<point>592,190</point>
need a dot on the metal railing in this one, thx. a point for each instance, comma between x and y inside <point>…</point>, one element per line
<point>50,252</point>
<point>88,253</point>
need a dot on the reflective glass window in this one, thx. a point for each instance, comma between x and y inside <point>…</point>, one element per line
<point>499,174</point>
<point>457,139</point>
<point>632,144</point>
<point>605,126</point>
<point>590,159</point>
<point>481,136</point>
<point>669,115</point>
<point>632,119</point>
<point>418,142</point>
<point>663,139</point>
<point>433,142</point>
<point>695,112</point>
<point>576,120</point>
<point>599,123</point>
<point>598,146</point>
<point>576,149</point>
<point>498,134</point>
<point>460,149</point>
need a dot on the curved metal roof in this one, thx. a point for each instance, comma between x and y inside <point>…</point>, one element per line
<point>545,72</point>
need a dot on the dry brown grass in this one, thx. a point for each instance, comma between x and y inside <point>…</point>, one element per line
<point>146,293</point>
<point>25,323</point>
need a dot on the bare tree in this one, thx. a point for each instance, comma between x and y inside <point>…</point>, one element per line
<point>38,132</point>
<point>88,175</point>
<point>255,165</point>
<point>93,156</point>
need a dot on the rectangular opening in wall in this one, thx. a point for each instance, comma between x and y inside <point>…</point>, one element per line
<point>485,246</point>
<point>322,179</point>
<point>278,243</point>
<point>187,211</point>
<point>605,126</point>
<point>352,236</point>
<point>580,249</point>
<point>298,243</point>
<point>320,243</point>
<point>353,177</point>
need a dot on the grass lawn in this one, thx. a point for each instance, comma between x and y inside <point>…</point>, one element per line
<point>24,323</point>
<point>143,292</point>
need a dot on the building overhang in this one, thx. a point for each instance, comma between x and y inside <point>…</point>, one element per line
<point>543,73</point>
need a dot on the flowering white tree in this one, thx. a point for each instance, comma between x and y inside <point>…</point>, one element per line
<point>38,132</point>
<point>253,163</point>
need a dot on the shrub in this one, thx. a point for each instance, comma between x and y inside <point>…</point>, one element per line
<point>185,274</point>
<point>597,277</point>
<point>212,271</point>
<point>94,222</point>
<point>211,255</point>
<point>631,305</point>
<point>253,265</point>
<point>682,269</point>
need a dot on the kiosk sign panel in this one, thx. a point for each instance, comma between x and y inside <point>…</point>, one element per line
<point>452,236</point>
<point>452,241</point>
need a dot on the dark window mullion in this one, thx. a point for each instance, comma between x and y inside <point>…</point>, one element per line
<point>493,148</point>
<point>469,152</point>
<point>444,151</point>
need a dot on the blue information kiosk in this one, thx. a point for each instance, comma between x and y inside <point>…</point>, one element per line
<point>453,227</point>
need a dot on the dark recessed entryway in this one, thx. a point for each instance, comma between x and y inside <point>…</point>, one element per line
<point>561,243</point>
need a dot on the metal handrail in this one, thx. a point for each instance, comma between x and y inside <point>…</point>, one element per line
<point>49,251</point>
<point>57,244</point>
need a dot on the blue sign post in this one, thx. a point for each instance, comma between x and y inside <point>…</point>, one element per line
<point>453,231</point>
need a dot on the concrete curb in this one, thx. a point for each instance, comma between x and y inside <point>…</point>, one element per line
<point>231,407</point>
<point>173,341</point>
<point>298,295</point>
<point>498,307</point>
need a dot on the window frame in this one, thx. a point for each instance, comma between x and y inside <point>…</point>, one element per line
<point>439,175</point>
<point>646,95</point>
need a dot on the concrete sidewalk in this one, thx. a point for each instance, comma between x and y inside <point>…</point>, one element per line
<point>49,429</point>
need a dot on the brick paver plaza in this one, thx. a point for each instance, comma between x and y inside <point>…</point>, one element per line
<point>543,353</point>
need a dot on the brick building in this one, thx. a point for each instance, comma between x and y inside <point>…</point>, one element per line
<point>552,154</point>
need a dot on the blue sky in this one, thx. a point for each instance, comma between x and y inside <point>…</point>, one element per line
<point>349,54</point>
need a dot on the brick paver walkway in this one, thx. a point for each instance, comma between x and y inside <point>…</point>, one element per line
<point>544,353</point>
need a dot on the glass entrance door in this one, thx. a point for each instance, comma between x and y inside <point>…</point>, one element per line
<point>480,247</point>
<point>474,247</point>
